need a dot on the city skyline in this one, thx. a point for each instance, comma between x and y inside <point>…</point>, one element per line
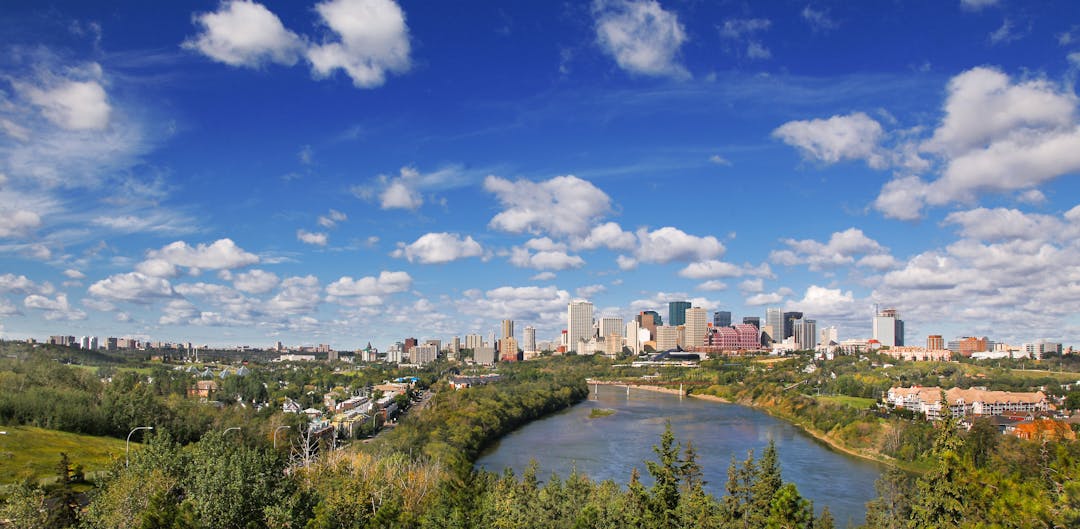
<point>249,172</point>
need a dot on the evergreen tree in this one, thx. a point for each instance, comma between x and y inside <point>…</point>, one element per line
<point>665,472</point>
<point>789,510</point>
<point>891,509</point>
<point>767,482</point>
<point>938,502</point>
<point>825,521</point>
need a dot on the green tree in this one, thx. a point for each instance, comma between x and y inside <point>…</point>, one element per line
<point>891,509</point>
<point>939,497</point>
<point>767,482</point>
<point>825,521</point>
<point>665,473</point>
<point>789,510</point>
<point>24,507</point>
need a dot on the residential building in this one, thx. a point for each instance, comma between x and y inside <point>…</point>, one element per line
<point>473,341</point>
<point>966,402</point>
<point>695,327</point>
<point>667,337</point>
<point>969,345</point>
<point>529,339</point>
<point>889,328</point>
<point>918,354</point>
<point>611,325</point>
<point>748,336</point>
<point>1039,349</point>
<point>722,318</point>
<point>829,335</point>
<point>579,323</point>
<point>484,355</point>
<point>677,312</point>
<point>507,329</point>
<point>633,336</point>
<point>935,342</point>
<point>423,354</point>
<point>508,349</point>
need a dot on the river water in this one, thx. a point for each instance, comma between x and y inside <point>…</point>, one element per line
<point>609,447</point>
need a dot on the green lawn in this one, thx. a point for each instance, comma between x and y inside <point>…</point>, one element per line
<point>26,451</point>
<point>855,402</point>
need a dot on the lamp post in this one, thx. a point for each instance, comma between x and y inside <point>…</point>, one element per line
<point>127,445</point>
<point>276,430</point>
<point>227,430</point>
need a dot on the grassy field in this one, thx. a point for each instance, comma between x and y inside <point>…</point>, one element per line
<point>26,451</point>
<point>855,402</point>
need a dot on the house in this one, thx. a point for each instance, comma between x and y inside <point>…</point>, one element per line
<point>1040,429</point>
<point>203,389</point>
<point>290,406</point>
<point>966,402</point>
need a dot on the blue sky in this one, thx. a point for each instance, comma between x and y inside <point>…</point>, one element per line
<point>349,171</point>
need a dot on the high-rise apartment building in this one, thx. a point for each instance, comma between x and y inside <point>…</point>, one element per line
<point>473,341</point>
<point>889,328</point>
<point>695,327</point>
<point>507,329</point>
<point>677,312</point>
<point>667,337</point>
<point>774,324</point>
<point>529,339</point>
<point>579,323</point>
<point>611,325</point>
<point>633,336</point>
<point>935,342</point>
<point>805,333</point>
<point>829,334</point>
<point>508,349</point>
<point>721,318</point>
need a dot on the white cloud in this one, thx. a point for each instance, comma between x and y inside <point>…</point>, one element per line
<point>926,271</point>
<point>386,283</point>
<point>641,35</point>
<point>545,259</point>
<point>132,286</point>
<point>978,4</point>
<point>544,306</point>
<point>878,262</point>
<point>332,219</point>
<point>399,195</point>
<point>752,286</point>
<point>669,244</point>
<point>841,250</point>
<point>436,248</point>
<point>255,281</point>
<point>902,198</point>
<point>719,160</point>
<point>159,221</point>
<point>712,285</point>
<point>1032,196</point>
<point>543,276</point>
<point>561,206</point>
<point>827,303</point>
<point>588,291</point>
<point>55,309</point>
<point>758,300</point>
<point>21,284</point>
<point>178,311</point>
<point>245,33</point>
<point>626,263</point>
<point>607,235</point>
<point>744,32</point>
<point>314,238</point>
<point>74,274</point>
<point>7,308</point>
<point>711,269</point>
<point>297,295</point>
<point>1008,32</point>
<point>1000,224</point>
<point>157,268</point>
<point>851,137</point>
<point>222,253</point>
<point>371,40</point>
<point>819,20</point>
<point>17,222</point>
<point>73,105</point>
<point>405,190</point>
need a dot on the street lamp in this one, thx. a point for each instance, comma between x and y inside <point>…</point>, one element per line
<point>127,446</point>
<point>276,430</point>
<point>237,428</point>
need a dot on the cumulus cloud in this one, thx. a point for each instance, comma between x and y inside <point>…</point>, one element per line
<point>713,285</point>
<point>73,105</point>
<point>548,259</point>
<point>545,306</point>
<point>17,222</point>
<point>255,281</point>
<point>562,206</point>
<point>827,303</point>
<point>711,268</point>
<point>244,33</point>
<point>642,36</point>
<point>369,290</point>
<point>54,309</point>
<point>331,219</point>
<point>74,274</point>
<point>313,238</point>
<point>437,248</point>
<point>157,268</point>
<point>405,190</point>
<point>7,308</point>
<point>370,41</point>
<point>841,250</point>
<point>757,300</point>
<point>297,295</point>
<point>850,137</point>
<point>543,276</point>
<point>135,287</point>
<point>607,235</point>
<point>1000,224</point>
<point>178,311</point>
<point>11,283</point>
<point>221,254</point>
<point>669,244</point>
<point>588,291</point>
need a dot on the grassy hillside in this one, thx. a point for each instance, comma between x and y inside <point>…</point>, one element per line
<point>26,451</point>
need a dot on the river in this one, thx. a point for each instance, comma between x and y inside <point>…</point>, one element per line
<point>609,447</point>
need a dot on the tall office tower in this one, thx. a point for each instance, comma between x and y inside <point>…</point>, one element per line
<point>789,323</point>
<point>721,318</point>
<point>889,328</point>
<point>667,337</point>
<point>507,329</point>
<point>752,320</point>
<point>473,341</point>
<point>935,342</point>
<point>633,336</point>
<point>774,324</point>
<point>677,312</point>
<point>455,345</point>
<point>84,342</point>
<point>530,339</point>
<point>650,320</point>
<point>409,344</point>
<point>805,333</point>
<point>579,323</point>
<point>611,325</point>
<point>695,327</point>
<point>830,334</point>
<point>94,343</point>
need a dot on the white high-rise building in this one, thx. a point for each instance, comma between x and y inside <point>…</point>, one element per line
<point>579,323</point>
<point>633,336</point>
<point>774,324</point>
<point>889,328</point>
<point>530,339</point>
<point>695,327</point>
<point>611,325</point>
<point>805,334</point>
<point>474,341</point>
<point>829,334</point>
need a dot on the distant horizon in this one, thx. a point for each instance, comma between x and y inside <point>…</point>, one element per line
<point>346,171</point>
